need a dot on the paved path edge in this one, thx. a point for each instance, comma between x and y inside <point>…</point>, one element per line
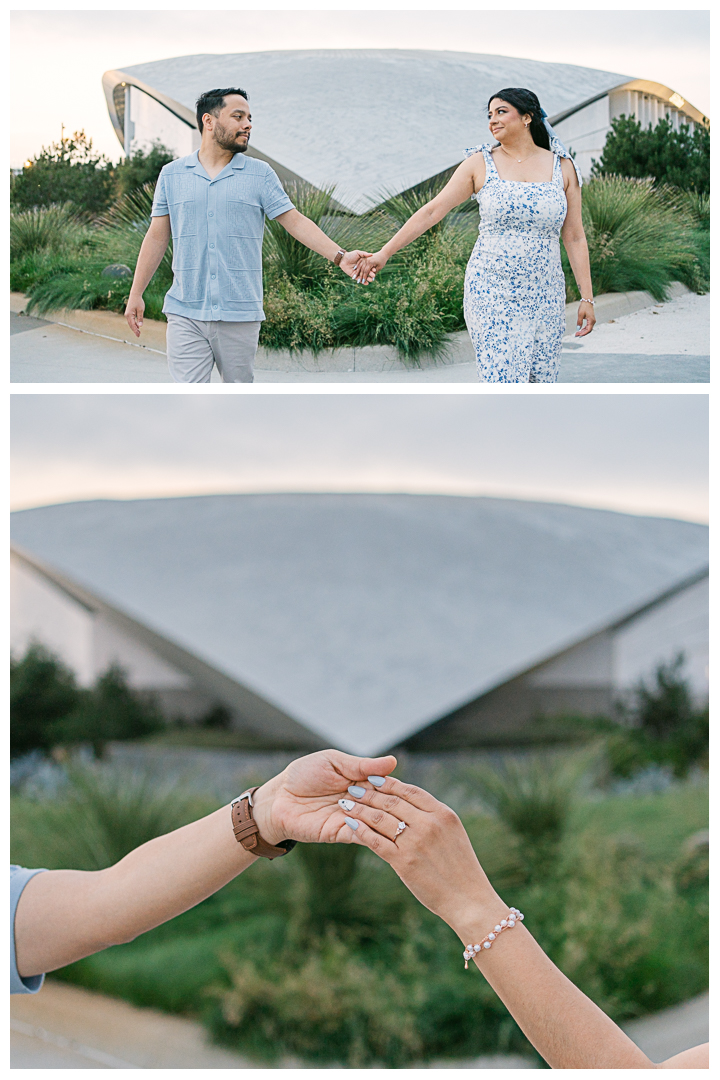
<point>459,349</point>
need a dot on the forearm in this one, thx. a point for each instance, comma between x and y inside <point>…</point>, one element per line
<point>64,915</point>
<point>577,251</point>
<point>150,257</point>
<point>311,235</point>
<point>422,220</point>
<point>562,1023</point>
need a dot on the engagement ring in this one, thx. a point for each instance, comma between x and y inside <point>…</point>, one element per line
<point>401,827</point>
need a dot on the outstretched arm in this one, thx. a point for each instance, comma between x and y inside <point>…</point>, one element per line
<point>435,859</point>
<point>153,248</point>
<point>64,915</point>
<point>311,235</point>
<point>459,187</point>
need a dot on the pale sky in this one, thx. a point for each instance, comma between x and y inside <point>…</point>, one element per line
<point>637,453</point>
<point>61,55</point>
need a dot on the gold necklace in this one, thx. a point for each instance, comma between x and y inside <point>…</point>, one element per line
<point>519,160</point>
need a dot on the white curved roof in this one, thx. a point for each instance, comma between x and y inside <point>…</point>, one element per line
<point>369,120</point>
<point>364,617</point>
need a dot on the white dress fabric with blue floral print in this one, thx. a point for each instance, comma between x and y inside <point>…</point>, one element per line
<point>514,283</point>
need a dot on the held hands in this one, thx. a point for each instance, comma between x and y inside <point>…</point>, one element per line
<point>351,259</point>
<point>301,803</point>
<point>367,266</point>
<point>586,314</point>
<point>134,313</point>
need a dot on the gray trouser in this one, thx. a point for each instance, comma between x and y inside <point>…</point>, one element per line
<point>194,345</point>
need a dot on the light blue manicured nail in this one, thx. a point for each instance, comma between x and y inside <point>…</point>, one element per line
<point>347,804</point>
<point>352,823</point>
<point>356,792</point>
<point>377,781</point>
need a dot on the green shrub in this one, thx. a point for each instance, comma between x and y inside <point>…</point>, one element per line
<point>110,711</point>
<point>662,726</point>
<point>661,153</point>
<point>70,171</point>
<point>141,168</point>
<point>42,691</point>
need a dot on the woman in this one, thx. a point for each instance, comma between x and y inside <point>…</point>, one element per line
<point>528,193</point>
<point>427,846</point>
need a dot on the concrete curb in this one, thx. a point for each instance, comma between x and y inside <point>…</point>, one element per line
<point>458,350</point>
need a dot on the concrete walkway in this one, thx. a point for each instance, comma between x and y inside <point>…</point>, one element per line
<point>66,1027</point>
<point>659,343</point>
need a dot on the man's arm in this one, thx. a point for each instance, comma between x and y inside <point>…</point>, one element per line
<point>64,915</point>
<point>311,235</point>
<point>153,248</point>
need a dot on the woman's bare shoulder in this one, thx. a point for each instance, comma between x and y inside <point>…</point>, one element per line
<point>697,1058</point>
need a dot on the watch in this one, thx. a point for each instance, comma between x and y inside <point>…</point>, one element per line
<point>340,256</point>
<point>247,832</point>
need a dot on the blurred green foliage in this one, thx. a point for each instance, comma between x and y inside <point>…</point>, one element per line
<point>48,708</point>
<point>326,957</point>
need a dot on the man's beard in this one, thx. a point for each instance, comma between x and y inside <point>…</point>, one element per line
<point>227,142</point>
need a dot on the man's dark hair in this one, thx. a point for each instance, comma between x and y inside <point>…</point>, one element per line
<point>526,102</point>
<point>213,101</point>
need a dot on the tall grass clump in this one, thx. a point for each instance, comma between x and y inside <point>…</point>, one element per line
<point>639,237</point>
<point>116,238</point>
<point>98,814</point>
<point>50,229</point>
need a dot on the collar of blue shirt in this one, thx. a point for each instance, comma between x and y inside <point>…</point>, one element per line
<point>193,162</point>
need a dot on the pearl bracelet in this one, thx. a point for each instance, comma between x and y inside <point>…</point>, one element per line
<point>504,924</point>
<point>584,300</point>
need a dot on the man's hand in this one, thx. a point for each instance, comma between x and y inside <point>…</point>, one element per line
<point>367,266</point>
<point>300,802</point>
<point>350,262</point>
<point>134,313</point>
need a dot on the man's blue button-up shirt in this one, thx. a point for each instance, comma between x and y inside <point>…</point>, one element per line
<point>217,230</point>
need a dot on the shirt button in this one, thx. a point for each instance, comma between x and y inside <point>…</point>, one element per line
<point>212,276</point>
<point>211,213</point>
<point>212,245</point>
<point>215,307</point>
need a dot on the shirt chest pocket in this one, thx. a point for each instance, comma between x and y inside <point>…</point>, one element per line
<point>245,218</point>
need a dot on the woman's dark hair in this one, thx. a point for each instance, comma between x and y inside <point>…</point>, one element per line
<point>526,103</point>
<point>213,101</point>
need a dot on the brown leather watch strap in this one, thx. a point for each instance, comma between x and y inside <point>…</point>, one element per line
<point>339,257</point>
<point>247,832</point>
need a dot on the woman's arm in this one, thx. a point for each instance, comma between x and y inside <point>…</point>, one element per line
<point>573,235</point>
<point>63,915</point>
<point>435,859</point>
<point>467,178</point>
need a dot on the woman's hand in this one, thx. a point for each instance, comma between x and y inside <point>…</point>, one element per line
<point>366,268</point>
<point>299,803</point>
<point>586,314</point>
<point>433,855</point>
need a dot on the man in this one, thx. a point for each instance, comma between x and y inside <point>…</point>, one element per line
<point>214,204</point>
<point>59,916</point>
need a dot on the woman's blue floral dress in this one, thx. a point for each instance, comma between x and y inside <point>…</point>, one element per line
<point>514,283</point>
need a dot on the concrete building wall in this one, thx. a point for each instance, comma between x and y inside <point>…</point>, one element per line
<point>84,640</point>
<point>147,121</point>
<point>678,625</point>
<point>42,612</point>
<point>584,133</point>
